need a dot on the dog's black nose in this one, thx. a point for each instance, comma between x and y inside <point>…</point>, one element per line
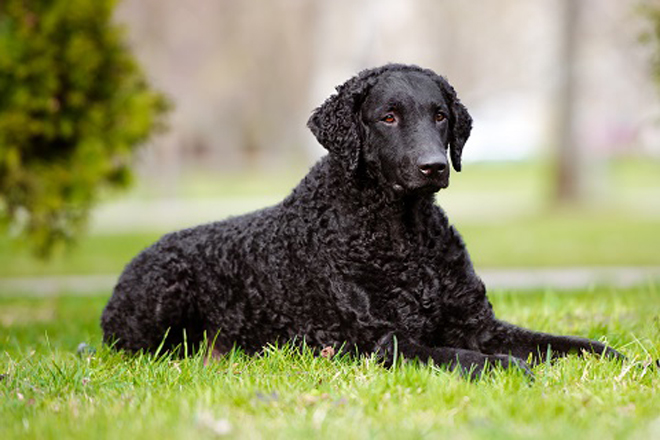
<point>432,167</point>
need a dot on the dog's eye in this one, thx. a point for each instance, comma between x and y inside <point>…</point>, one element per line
<point>439,117</point>
<point>389,118</point>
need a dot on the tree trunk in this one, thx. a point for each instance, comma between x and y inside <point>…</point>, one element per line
<point>568,181</point>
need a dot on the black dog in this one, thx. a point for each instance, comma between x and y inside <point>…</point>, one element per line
<point>357,256</point>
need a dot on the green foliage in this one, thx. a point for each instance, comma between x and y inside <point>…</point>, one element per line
<point>651,9</point>
<point>74,107</point>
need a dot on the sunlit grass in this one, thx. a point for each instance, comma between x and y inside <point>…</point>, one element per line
<point>49,391</point>
<point>564,238</point>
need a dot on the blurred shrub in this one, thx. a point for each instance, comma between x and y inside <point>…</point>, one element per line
<point>651,9</point>
<point>74,105</point>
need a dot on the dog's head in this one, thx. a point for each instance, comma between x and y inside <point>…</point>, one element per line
<point>398,121</point>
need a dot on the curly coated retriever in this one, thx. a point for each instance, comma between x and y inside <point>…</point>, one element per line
<point>357,256</point>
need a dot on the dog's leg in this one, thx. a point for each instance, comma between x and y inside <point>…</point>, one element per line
<point>216,348</point>
<point>502,337</point>
<point>213,354</point>
<point>469,362</point>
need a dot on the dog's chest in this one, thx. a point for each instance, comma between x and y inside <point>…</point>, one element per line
<point>408,274</point>
<point>399,282</point>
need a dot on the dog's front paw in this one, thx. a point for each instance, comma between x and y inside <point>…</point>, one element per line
<point>507,361</point>
<point>476,367</point>
<point>611,353</point>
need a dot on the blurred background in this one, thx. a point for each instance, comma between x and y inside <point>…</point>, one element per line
<point>561,174</point>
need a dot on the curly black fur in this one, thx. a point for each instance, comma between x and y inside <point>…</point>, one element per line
<point>351,258</point>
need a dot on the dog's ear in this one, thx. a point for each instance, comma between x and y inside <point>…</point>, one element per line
<point>460,124</point>
<point>336,123</point>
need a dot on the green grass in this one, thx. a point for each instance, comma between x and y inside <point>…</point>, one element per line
<point>50,392</point>
<point>96,254</point>
<point>564,238</point>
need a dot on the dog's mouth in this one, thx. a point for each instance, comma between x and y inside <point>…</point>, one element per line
<point>439,182</point>
<point>432,187</point>
<point>423,186</point>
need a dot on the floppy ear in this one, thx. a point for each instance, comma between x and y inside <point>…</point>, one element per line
<point>460,124</point>
<point>336,123</point>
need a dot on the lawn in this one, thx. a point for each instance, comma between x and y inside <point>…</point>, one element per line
<point>50,391</point>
